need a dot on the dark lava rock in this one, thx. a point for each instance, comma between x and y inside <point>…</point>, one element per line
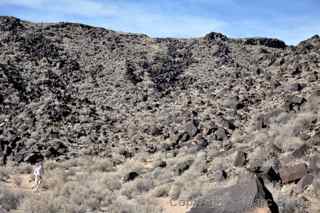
<point>300,151</point>
<point>268,174</point>
<point>84,85</point>
<point>296,87</point>
<point>239,198</point>
<point>130,176</point>
<point>33,157</point>
<point>269,42</point>
<point>55,149</point>
<point>220,134</point>
<point>291,173</point>
<point>191,129</point>
<point>181,167</point>
<point>213,36</point>
<point>240,159</point>
<point>294,103</point>
<point>180,138</point>
<point>162,164</point>
<point>9,23</point>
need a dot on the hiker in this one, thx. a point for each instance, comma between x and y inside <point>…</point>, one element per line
<point>38,172</point>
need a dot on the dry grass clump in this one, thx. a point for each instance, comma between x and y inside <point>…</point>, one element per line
<point>4,173</point>
<point>17,181</point>
<point>44,204</point>
<point>101,165</point>
<point>137,187</point>
<point>9,200</point>
<point>161,191</point>
<point>24,169</point>
<point>175,190</point>
<point>122,204</point>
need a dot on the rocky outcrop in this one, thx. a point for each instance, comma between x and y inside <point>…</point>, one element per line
<point>241,198</point>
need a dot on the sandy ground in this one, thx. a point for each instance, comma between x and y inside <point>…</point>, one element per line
<point>20,183</point>
<point>169,206</point>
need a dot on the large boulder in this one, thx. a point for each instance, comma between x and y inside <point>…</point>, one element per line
<point>248,195</point>
<point>294,172</point>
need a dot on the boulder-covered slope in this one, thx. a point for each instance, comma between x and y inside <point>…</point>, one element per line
<point>69,89</point>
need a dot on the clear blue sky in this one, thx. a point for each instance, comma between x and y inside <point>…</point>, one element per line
<point>289,20</point>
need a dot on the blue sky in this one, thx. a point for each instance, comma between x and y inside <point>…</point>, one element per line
<point>289,20</point>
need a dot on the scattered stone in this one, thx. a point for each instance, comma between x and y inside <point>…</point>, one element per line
<point>314,164</point>
<point>219,175</point>
<point>300,151</point>
<point>181,167</point>
<point>268,174</point>
<point>294,103</point>
<point>296,87</point>
<point>191,129</point>
<point>160,163</point>
<point>221,134</point>
<point>290,173</point>
<point>2,210</point>
<point>304,183</point>
<point>240,159</point>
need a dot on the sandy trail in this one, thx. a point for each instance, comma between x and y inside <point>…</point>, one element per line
<point>20,183</point>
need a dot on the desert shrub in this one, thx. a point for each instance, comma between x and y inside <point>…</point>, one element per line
<point>111,181</point>
<point>70,163</point>
<point>198,166</point>
<point>316,187</point>
<point>102,165</point>
<point>161,191</point>
<point>17,181</point>
<point>192,190</point>
<point>291,205</point>
<point>4,173</point>
<point>9,200</point>
<point>175,190</point>
<point>302,122</point>
<point>136,187</point>
<point>51,165</point>
<point>55,179</point>
<point>24,169</point>
<point>41,204</point>
<point>122,204</point>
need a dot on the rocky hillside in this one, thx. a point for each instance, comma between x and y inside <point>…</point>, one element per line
<point>69,90</point>
<point>66,87</point>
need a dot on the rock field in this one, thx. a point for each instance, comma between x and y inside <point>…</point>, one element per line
<point>252,104</point>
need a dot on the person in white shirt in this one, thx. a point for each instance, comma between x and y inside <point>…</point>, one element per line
<point>38,173</point>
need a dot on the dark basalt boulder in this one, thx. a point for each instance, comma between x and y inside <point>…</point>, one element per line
<point>8,23</point>
<point>268,42</point>
<point>214,36</point>
<point>239,198</point>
